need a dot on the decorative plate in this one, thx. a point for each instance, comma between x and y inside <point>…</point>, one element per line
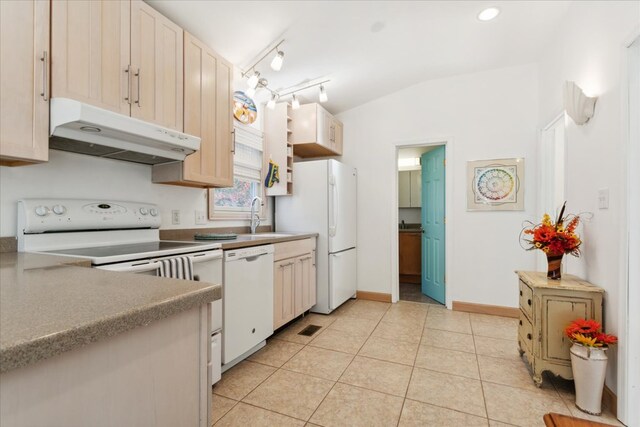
<point>244,109</point>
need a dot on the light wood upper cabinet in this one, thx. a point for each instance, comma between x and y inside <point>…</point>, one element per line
<point>90,48</point>
<point>338,136</point>
<point>410,189</point>
<point>416,189</point>
<point>157,67</point>
<point>207,114</point>
<point>314,132</point>
<point>404,189</point>
<point>24,72</point>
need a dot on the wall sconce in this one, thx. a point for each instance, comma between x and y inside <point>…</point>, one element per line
<point>578,105</point>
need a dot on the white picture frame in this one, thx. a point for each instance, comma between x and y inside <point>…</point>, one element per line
<point>495,185</point>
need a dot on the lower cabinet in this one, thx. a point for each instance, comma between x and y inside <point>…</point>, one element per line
<point>410,256</point>
<point>546,308</point>
<point>294,284</point>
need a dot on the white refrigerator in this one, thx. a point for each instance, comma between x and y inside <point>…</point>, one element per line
<point>324,202</point>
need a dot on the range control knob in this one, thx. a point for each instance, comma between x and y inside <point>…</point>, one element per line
<point>59,209</point>
<point>143,211</point>
<point>153,212</point>
<point>42,210</point>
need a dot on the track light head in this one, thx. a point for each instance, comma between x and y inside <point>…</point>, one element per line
<point>252,82</point>
<point>276,62</point>
<point>272,102</point>
<point>323,95</point>
<point>295,104</point>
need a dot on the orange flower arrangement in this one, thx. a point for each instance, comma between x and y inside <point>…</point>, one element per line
<point>588,334</point>
<point>553,239</point>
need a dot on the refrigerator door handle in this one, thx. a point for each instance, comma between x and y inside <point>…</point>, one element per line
<point>334,214</point>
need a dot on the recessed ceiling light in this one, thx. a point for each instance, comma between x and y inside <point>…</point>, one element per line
<point>488,14</point>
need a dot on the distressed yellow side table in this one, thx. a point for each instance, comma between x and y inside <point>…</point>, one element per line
<point>546,308</point>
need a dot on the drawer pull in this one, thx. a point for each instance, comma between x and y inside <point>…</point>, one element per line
<point>529,301</point>
<point>529,337</point>
<point>521,323</point>
<point>520,292</point>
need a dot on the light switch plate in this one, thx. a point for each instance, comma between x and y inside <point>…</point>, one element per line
<point>201,218</point>
<point>175,217</point>
<point>603,198</point>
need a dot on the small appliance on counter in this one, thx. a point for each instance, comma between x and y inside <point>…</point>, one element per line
<point>325,202</point>
<point>118,236</point>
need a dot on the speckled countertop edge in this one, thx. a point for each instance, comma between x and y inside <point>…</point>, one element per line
<point>267,240</point>
<point>34,350</point>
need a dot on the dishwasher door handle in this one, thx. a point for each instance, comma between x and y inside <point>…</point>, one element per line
<point>253,258</point>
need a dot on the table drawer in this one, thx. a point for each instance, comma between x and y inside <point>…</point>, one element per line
<point>526,300</point>
<point>525,330</point>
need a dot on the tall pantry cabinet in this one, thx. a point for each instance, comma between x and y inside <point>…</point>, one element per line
<point>24,75</point>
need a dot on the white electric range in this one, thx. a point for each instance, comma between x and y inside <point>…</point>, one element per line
<point>118,236</point>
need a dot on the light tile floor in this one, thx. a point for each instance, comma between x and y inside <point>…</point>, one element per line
<point>378,364</point>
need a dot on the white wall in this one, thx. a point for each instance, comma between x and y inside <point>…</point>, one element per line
<point>488,115</point>
<point>70,175</point>
<point>589,50</point>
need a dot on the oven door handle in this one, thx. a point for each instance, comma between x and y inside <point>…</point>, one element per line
<point>206,257</point>
<point>140,268</point>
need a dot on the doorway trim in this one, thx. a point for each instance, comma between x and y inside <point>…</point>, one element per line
<point>628,316</point>
<point>448,210</point>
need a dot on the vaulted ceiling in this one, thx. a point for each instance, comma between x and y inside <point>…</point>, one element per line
<point>369,48</point>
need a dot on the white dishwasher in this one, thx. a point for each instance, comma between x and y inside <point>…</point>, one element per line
<point>247,302</point>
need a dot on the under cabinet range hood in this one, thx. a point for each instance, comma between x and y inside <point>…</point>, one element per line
<point>85,129</point>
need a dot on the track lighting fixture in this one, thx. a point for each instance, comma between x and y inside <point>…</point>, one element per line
<point>295,104</point>
<point>272,102</point>
<point>276,62</point>
<point>323,95</point>
<point>250,92</point>
<point>253,80</point>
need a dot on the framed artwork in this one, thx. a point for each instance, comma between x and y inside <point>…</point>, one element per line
<point>495,185</point>
<point>244,109</point>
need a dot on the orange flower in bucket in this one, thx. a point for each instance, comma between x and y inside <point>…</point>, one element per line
<point>587,332</point>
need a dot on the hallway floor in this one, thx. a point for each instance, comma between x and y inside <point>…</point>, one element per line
<point>406,364</point>
<point>413,292</point>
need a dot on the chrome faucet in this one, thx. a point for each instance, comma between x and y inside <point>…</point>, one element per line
<point>255,216</point>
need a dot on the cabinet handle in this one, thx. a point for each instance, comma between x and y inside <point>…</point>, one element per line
<point>305,258</point>
<point>128,72</point>
<point>521,292</point>
<point>44,94</point>
<point>138,100</point>
<point>521,323</point>
<point>529,337</point>
<point>529,301</point>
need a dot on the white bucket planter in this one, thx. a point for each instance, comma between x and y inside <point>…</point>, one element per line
<point>589,365</point>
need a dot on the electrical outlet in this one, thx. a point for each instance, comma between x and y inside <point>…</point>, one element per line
<point>175,217</point>
<point>201,218</point>
<point>603,198</point>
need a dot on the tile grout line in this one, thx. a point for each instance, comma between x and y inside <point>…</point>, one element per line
<point>413,367</point>
<point>354,358</point>
<point>484,398</point>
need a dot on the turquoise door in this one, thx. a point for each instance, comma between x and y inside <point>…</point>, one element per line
<point>433,224</point>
